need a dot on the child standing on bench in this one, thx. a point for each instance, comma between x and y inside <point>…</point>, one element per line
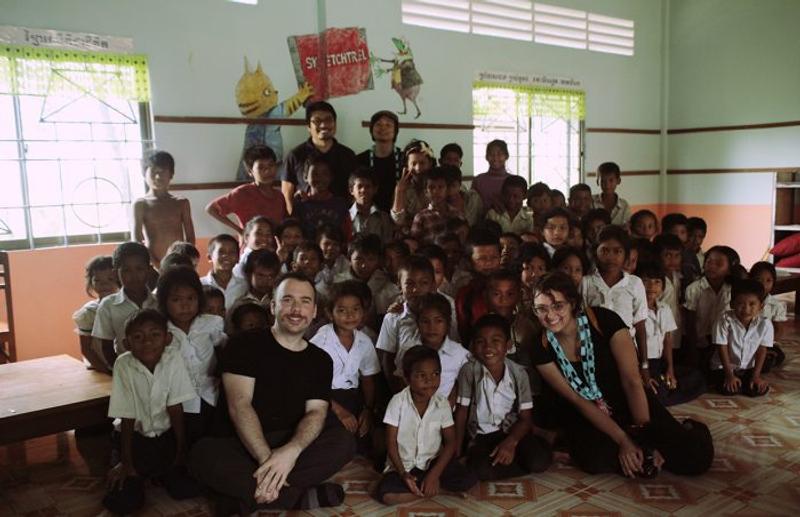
<point>150,382</point>
<point>101,281</point>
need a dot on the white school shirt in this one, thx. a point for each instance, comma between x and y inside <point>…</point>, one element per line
<point>327,275</point>
<point>670,297</point>
<point>620,214</point>
<point>112,314</point>
<point>658,324</point>
<point>707,305</point>
<point>452,356</point>
<point>742,342</point>
<point>495,401</point>
<point>774,309</point>
<point>238,269</point>
<point>237,287</point>
<point>551,250</point>
<point>522,222</point>
<point>419,439</point>
<point>198,351</point>
<point>384,292</point>
<point>347,364</point>
<point>138,393</point>
<point>627,297</point>
<point>84,317</point>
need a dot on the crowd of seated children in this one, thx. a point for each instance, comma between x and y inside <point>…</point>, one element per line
<point>428,308</point>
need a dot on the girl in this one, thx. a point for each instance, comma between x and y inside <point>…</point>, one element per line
<point>774,310</point>
<point>319,205</point>
<point>535,262</point>
<point>409,194</point>
<point>644,224</point>
<point>573,262</point>
<point>490,183</point>
<point>246,316</point>
<point>258,234</point>
<point>101,280</point>
<point>287,236</point>
<point>331,241</point>
<point>196,336</point>
<point>705,301</point>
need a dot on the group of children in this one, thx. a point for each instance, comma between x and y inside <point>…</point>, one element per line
<point>428,314</point>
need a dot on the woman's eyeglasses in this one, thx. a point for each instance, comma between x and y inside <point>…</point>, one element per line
<point>544,310</point>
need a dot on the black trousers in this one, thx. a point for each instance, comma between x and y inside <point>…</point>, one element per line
<point>455,478</point>
<point>532,455</point>
<point>687,447</point>
<point>224,465</point>
<point>199,424</point>
<point>152,458</point>
<point>691,383</point>
<point>718,381</point>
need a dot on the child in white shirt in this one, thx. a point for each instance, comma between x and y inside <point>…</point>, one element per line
<point>223,251</point>
<point>774,310</point>
<point>101,281</point>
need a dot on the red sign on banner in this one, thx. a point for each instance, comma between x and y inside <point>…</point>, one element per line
<point>337,67</point>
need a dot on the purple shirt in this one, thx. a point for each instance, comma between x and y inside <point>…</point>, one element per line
<point>489,185</point>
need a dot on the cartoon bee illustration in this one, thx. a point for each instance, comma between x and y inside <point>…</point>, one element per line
<point>404,78</point>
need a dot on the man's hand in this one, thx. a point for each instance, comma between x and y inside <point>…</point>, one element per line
<point>271,475</point>
<point>503,454</point>
<point>430,486</point>
<point>118,475</point>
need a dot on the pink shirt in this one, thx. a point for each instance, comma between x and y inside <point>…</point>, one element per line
<point>248,201</point>
<point>489,185</point>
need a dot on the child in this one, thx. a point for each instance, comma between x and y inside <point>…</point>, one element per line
<point>259,234</point>
<point>774,310</point>
<point>214,301</point>
<point>670,251</point>
<point>580,200</point>
<point>696,228</point>
<point>319,205</point>
<point>420,437</point>
<point>395,254</point>
<point>591,224</point>
<point>671,383</point>
<point>509,249</point>
<point>260,271</point>
<point>609,178</point>
<point>365,216</point>
<point>706,300</point>
<point>460,228</point>
<point>495,408</point>
<point>484,253</point>
<point>539,202</point>
<point>576,239</point>
<point>366,256</point>
<point>186,249</point>
<point>308,260</point>
<point>742,337</point>
<point>131,261</point>
<point>456,273</point>
<point>490,183</point>
<point>331,241</point>
<point>159,217</point>
<point>556,229</point>
<point>259,198</point>
<point>644,224</point>
<point>614,289</point>
<point>466,202</point>
<point>355,363</point>
<point>512,217</point>
<point>149,385</point>
<point>101,281</point>
<point>196,336</point>
<point>431,221</point>
<point>223,253</point>
<point>557,199</point>
<point>409,196</point>
<point>451,154</point>
<point>573,262</point>
<point>248,316</point>
<point>535,263</point>
<point>632,260</point>
<point>288,235</point>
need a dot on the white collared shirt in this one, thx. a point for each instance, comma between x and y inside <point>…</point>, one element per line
<point>384,292</point>
<point>142,395</point>
<point>742,342</point>
<point>198,351</point>
<point>238,269</point>
<point>620,214</point>
<point>452,356</point>
<point>113,313</point>
<point>670,297</point>
<point>659,322</point>
<point>495,402</point>
<point>522,222</point>
<point>236,288</point>
<point>774,309</point>
<point>419,439</point>
<point>361,359</point>
<point>376,222</point>
<point>627,297</point>
<point>84,317</point>
<point>551,250</point>
<point>707,305</point>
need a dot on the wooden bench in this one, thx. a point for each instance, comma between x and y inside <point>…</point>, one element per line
<point>50,395</point>
<point>786,284</point>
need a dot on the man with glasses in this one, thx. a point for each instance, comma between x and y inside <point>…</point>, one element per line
<point>321,122</point>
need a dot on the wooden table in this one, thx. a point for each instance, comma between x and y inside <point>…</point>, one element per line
<point>50,395</point>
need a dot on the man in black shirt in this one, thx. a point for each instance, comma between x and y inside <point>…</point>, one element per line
<point>277,387</point>
<point>321,122</point>
<point>384,159</point>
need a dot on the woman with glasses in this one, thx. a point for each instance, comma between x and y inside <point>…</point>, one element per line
<point>611,423</point>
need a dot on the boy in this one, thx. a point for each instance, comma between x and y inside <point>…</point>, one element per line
<point>214,301</point>
<point>150,383</point>
<point>432,220</point>
<point>451,154</point>
<point>364,213</point>
<point>539,202</point>
<point>260,270</point>
<point>742,337</point>
<point>609,178</point>
<point>319,205</point>
<point>580,200</point>
<point>186,249</point>
<point>288,235</point>
<point>557,199</point>
<point>592,223</point>
<point>466,202</point>
<point>456,274</point>
<point>420,437</point>
<point>495,408</point>
<point>252,199</point>
<point>670,251</point>
<point>697,229</point>
<point>513,218</point>
<point>131,262</point>
<point>510,244</point>
<point>366,254</point>
<point>159,217</point>
<point>223,253</point>
<point>483,250</point>
<point>556,229</point>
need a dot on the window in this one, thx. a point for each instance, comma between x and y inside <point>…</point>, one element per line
<point>542,126</point>
<point>526,21</point>
<point>73,128</point>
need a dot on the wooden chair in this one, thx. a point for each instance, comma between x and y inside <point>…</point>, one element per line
<point>8,349</point>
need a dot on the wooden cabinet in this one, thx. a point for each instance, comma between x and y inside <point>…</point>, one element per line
<point>786,209</point>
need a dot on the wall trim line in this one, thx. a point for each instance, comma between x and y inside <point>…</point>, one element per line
<point>623,130</point>
<point>740,127</point>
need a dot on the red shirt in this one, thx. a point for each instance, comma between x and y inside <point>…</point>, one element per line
<point>248,201</point>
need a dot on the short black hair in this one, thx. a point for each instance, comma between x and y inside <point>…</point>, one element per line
<point>319,106</point>
<point>311,246</point>
<point>697,223</point>
<point>437,302</point>
<point>651,270</point>
<point>760,267</point>
<point>558,281</point>
<point>558,211</point>
<point>435,174</point>
<point>243,309</point>
<point>159,159</point>
<point>641,214</point>
<point>494,321</point>
<point>417,354</point>
<point>180,276</point>
<point>210,292</point>
<point>747,286</point>
<point>94,266</point>
<point>432,251</point>
<point>184,248</point>
<point>481,238</point>
<point>288,223</point>
<point>504,275</point>
<point>452,174</point>
<point>514,181</point>
<point>399,246</point>
<point>452,147</point>
<point>258,152</point>
<point>647,251</point>
<point>217,240</point>
<point>142,316</point>
<point>500,144</point>
<point>294,275</point>
<point>566,252</point>
<point>417,263</point>
<point>128,250</point>
<point>331,231</point>
<point>538,189</point>
<point>363,174</point>
<point>384,114</point>
<point>355,288</point>
<point>261,258</point>
<point>617,233</point>
<point>172,260</point>
<point>608,168</point>
<point>595,214</point>
<point>671,220</point>
<point>367,244</point>
<point>316,159</point>
<point>531,250</point>
<point>250,225</point>
<point>667,241</point>
<point>579,187</point>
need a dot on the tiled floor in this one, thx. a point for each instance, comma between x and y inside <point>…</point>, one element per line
<point>756,472</point>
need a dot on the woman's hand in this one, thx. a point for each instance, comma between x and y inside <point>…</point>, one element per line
<point>631,457</point>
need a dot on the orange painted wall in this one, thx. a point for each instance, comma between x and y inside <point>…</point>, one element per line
<point>47,287</point>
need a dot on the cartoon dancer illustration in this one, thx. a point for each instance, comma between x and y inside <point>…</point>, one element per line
<point>258,98</point>
<point>405,79</point>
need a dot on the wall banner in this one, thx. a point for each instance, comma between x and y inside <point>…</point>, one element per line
<point>64,39</point>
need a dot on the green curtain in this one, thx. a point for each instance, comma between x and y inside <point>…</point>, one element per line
<point>59,72</point>
<point>542,101</point>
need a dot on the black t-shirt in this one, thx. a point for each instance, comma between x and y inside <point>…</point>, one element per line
<point>285,380</point>
<point>387,171</point>
<point>340,158</point>
<point>606,371</point>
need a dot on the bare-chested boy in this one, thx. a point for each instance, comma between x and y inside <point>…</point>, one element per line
<point>159,217</point>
